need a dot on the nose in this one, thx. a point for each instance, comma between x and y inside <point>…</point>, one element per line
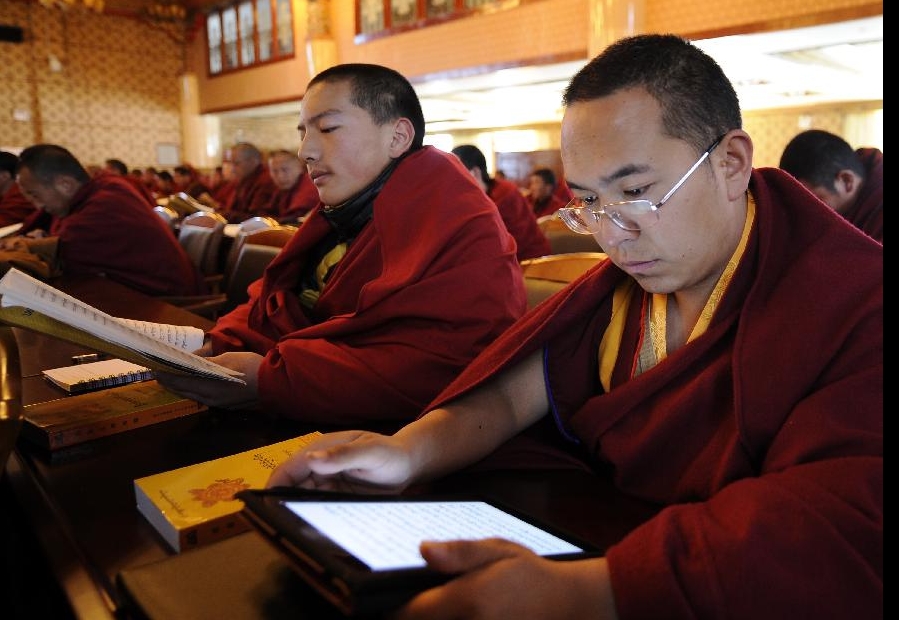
<point>611,235</point>
<point>308,152</point>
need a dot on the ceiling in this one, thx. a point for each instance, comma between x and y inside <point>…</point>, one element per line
<point>789,68</point>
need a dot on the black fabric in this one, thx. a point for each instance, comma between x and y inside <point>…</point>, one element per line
<point>347,220</point>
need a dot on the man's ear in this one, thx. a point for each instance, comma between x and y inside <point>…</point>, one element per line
<point>403,135</point>
<point>734,156</point>
<point>847,183</point>
<point>65,185</point>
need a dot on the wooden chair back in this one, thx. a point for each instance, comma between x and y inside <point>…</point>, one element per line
<point>563,240</point>
<point>547,275</point>
<point>257,250</point>
<point>249,266</point>
<point>277,236</point>
<point>246,227</point>
<point>168,215</point>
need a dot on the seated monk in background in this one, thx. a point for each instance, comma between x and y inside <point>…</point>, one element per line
<point>513,207</point>
<point>296,194</point>
<point>102,226</point>
<point>253,185</point>
<point>15,208</point>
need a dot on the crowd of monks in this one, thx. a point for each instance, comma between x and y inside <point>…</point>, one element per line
<point>250,184</point>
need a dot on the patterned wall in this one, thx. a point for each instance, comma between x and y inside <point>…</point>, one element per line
<point>100,85</point>
<point>116,90</point>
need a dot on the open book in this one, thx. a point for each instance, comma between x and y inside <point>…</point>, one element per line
<point>32,304</point>
<point>184,204</point>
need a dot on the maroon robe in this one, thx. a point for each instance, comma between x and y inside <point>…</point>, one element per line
<point>252,196</point>
<point>291,204</point>
<point>14,207</point>
<point>762,439</point>
<point>547,206</point>
<point>223,193</point>
<point>141,189</point>
<point>428,283</point>
<point>111,230</point>
<point>519,218</point>
<point>866,213</point>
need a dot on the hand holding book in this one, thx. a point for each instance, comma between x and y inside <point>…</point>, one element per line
<point>29,303</point>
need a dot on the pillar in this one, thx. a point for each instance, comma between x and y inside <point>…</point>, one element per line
<point>611,20</point>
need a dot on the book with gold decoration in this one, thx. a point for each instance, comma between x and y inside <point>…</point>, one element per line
<point>71,420</point>
<point>194,505</point>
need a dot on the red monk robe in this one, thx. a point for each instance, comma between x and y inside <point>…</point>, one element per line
<point>519,219</point>
<point>867,211</point>
<point>252,196</point>
<point>426,285</point>
<point>291,204</point>
<point>763,438</point>
<point>546,206</point>
<point>111,230</point>
<point>14,207</point>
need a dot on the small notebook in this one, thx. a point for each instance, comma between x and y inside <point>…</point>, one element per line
<point>97,375</point>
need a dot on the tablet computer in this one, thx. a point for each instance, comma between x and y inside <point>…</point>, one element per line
<point>361,552</point>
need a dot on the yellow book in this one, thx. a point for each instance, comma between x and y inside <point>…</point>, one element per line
<point>194,505</point>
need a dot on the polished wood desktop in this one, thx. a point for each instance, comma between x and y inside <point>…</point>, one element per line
<point>80,502</point>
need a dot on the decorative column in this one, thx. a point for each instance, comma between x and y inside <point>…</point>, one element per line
<point>611,20</point>
<point>193,130</point>
<point>321,50</point>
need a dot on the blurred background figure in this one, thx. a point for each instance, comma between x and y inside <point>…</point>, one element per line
<point>849,181</point>
<point>514,208</point>
<point>187,180</point>
<point>253,189</point>
<point>165,184</point>
<point>14,207</point>
<point>542,192</point>
<point>115,166</point>
<point>118,168</point>
<point>296,194</point>
<point>101,226</point>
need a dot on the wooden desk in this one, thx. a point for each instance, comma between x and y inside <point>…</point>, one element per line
<point>65,522</point>
<point>80,503</point>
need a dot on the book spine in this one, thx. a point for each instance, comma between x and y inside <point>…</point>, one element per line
<point>212,530</point>
<point>108,381</point>
<point>54,440</point>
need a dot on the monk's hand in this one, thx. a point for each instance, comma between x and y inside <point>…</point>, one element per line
<point>348,461</point>
<point>216,392</point>
<point>498,579</point>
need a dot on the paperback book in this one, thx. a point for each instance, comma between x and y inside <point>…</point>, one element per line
<point>194,505</point>
<point>76,419</point>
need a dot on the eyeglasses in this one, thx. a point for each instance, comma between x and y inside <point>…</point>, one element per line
<point>633,215</point>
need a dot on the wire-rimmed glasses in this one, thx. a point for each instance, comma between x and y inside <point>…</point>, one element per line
<point>581,216</point>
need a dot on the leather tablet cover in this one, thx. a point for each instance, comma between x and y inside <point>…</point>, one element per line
<point>241,577</point>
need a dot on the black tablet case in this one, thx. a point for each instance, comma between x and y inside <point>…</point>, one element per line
<point>242,577</point>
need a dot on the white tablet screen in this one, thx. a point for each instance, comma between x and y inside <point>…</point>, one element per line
<point>386,535</point>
